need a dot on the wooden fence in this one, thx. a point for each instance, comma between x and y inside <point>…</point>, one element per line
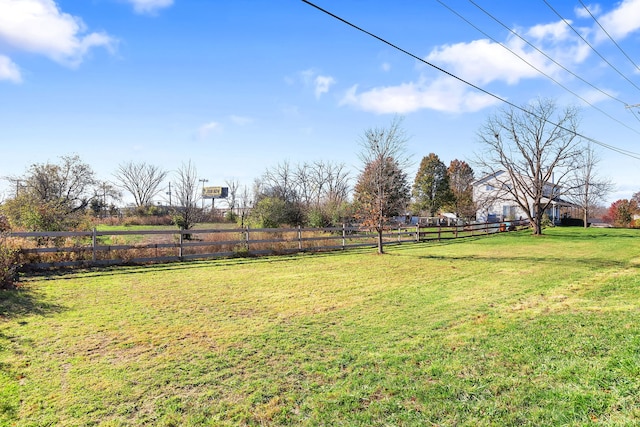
<point>43,250</point>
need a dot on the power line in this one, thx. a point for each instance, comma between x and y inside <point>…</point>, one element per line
<point>511,104</point>
<point>589,44</point>
<point>608,35</point>
<point>543,53</point>
<point>539,70</point>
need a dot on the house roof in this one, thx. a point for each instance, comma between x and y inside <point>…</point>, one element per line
<point>487,177</point>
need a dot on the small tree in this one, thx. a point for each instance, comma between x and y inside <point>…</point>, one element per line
<point>141,180</point>
<point>269,212</point>
<point>52,195</point>
<point>461,183</point>
<point>621,212</point>
<point>187,213</point>
<point>8,257</point>
<point>232,199</point>
<point>587,189</point>
<point>382,190</point>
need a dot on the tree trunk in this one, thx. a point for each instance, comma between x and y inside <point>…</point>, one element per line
<point>537,222</point>
<point>586,217</point>
<point>380,245</point>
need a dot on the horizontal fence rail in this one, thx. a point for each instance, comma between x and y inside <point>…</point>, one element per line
<point>53,249</point>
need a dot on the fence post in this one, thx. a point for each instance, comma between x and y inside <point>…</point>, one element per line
<point>417,233</point>
<point>344,235</point>
<point>93,245</point>
<point>486,228</point>
<point>180,248</point>
<point>456,230</point>
<point>299,237</point>
<point>439,230</point>
<point>246,238</point>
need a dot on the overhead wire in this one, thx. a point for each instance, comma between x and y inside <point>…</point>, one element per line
<point>543,53</point>
<point>590,45</point>
<point>609,35</point>
<point>539,70</point>
<point>499,98</point>
<point>629,107</point>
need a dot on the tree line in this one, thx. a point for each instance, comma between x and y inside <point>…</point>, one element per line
<point>535,145</point>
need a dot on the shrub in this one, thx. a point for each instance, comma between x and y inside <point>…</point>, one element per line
<point>318,219</point>
<point>269,212</point>
<point>8,257</point>
<point>231,216</point>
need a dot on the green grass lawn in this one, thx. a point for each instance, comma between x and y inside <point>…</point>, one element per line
<point>502,330</point>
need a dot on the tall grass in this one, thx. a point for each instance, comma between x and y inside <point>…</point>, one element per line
<point>504,330</point>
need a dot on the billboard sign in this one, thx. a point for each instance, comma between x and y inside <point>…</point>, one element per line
<point>215,192</point>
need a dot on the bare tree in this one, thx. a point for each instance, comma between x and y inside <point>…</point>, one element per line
<point>587,189</point>
<point>141,180</point>
<point>531,154</point>
<point>245,203</point>
<point>232,197</point>
<point>328,183</point>
<point>187,213</point>
<point>337,183</point>
<point>52,196</point>
<point>280,182</point>
<point>69,183</point>
<point>104,192</point>
<point>382,189</point>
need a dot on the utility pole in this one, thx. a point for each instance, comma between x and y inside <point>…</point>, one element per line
<point>168,193</point>
<point>202,180</point>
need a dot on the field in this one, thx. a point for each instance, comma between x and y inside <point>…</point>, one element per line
<point>502,330</point>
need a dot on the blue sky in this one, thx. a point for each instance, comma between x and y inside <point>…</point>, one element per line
<point>237,86</point>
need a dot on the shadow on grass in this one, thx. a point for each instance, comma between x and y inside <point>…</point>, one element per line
<point>391,248</point>
<point>20,302</point>
<point>68,274</point>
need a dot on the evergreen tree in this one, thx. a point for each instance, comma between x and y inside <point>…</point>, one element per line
<point>431,186</point>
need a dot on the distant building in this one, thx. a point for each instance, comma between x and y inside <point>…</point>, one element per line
<point>496,202</point>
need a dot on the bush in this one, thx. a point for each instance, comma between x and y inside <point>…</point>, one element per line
<point>8,257</point>
<point>269,212</point>
<point>318,219</point>
<point>546,221</point>
<point>231,216</point>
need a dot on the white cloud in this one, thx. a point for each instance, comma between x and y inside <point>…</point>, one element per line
<point>443,94</point>
<point>595,10</point>
<point>594,96</point>
<point>482,61</point>
<point>206,129</point>
<point>149,6</point>
<point>555,31</point>
<point>621,21</point>
<point>311,78</point>
<point>9,70</point>
<point>385,67</point>
<point>322,84</point>
<point>40,27</point>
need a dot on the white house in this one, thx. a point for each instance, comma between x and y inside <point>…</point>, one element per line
<point>495,200</point>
